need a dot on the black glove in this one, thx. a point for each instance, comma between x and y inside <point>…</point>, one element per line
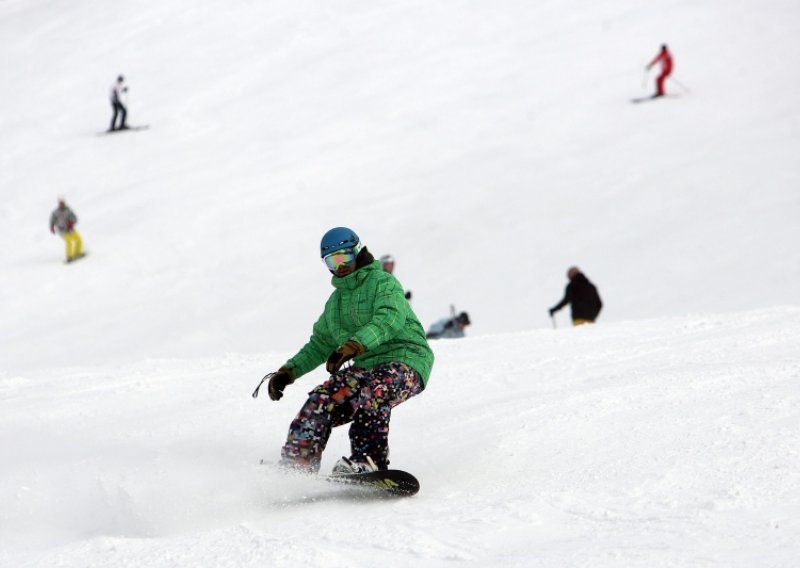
<point>279,381</point>
<point>346,352</point>
<point>551,311</point>
<point>408,295</point>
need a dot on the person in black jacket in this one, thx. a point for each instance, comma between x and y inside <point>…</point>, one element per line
<point>582,296</point>
<point>117,90</point>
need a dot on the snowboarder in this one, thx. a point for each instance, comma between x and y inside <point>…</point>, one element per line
<point>367,320</point>
<point>582,296</point>
<point>117,89</point>
<point>387,263</point>
<point>449,328</point>
<point>63,219</point>
<point>665,58</point>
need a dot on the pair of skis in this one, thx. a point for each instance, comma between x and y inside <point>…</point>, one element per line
<point>637,100</point>
<point>126,129</point>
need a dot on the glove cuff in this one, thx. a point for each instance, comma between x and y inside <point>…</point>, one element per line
<point>357,348</point>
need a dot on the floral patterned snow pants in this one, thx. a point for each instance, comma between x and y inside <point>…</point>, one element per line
<point>363,397</point>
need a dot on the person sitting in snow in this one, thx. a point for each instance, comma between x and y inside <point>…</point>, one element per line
<point>582,296</point>
<point>449,328</point>
<point>63,220</point>
<point>368,321</point>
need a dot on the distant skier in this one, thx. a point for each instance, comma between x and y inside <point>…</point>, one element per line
<point>665,58</point>
<point>366,320</point>
<point>582,296</point>
<point>449,328</point>
<point>387,263</point>
<point>63,220</point>
<point>117,89</point>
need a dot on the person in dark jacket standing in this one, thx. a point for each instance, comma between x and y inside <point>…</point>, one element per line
<point>367,320</point>
<point>582,296</point>
<point>115,96</point>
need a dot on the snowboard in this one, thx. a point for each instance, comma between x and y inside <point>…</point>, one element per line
<point>391,482</point>
<point>129,129</point>
<point>76,258</point>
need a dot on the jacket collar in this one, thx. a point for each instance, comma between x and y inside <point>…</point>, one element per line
<point>354,280</point>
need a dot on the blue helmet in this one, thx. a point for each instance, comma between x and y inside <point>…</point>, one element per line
<point>339,238</point>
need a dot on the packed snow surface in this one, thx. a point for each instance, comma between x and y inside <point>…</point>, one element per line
<point>488,147</point>
<point>667,442</point>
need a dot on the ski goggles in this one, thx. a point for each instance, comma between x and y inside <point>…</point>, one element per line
<point>339,258</point>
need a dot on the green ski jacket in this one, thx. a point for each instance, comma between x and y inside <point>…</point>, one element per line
<point>367,306</point>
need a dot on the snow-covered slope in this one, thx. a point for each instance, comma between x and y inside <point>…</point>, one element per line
<point>488,146</point>
<point>668,442</point>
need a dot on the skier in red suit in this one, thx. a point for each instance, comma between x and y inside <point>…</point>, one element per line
<point>665,58</point>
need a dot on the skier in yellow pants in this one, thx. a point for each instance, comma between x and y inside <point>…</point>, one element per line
<point>63,220</point>
<point>74,245</point>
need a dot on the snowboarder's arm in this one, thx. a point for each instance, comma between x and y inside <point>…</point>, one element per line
<point>313,353</point>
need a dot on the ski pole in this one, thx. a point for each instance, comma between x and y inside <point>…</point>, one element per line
<point>644,79</point>
<point>681,85</point>
<point>552,317</point>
